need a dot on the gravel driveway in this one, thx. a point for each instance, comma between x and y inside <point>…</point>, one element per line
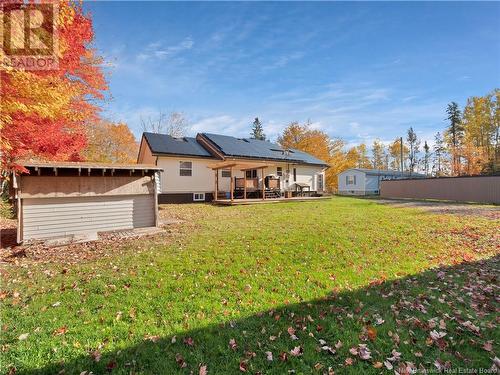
<point>486,211</point>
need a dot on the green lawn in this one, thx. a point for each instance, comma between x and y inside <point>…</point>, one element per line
<point>294,279</point>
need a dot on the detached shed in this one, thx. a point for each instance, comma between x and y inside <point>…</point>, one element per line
<point>66,199</point>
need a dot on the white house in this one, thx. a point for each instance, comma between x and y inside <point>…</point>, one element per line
<point>189,167</point>
<point>362,181</point>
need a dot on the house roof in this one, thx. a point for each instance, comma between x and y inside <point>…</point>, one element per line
<point>257,149</point>
<point>166,144</point>
<point>385,172</point>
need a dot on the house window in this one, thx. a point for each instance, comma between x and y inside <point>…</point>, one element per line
<point>279,171</point>
<point>226,173</point>
<point>186,168</point>
<point>320,182</point>
<point>294,174</point>
<point>197,197</point>
<point>350,180</point>
<point>251,173</point>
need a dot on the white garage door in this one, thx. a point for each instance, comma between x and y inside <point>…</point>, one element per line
<point>52,217</point>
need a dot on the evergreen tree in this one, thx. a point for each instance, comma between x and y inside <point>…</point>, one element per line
<point>414,144</point>
<point>439,150</point>
<point>257,130</point>
<point>454,135</point>
<point>427,157</point>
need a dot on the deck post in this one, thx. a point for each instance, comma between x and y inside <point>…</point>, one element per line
<point>216,184</point>
<point>244,184</point>
<point>263,184</point>
<point>231,188</point>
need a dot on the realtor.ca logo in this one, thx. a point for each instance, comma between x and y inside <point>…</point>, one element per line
<point>28,33</point>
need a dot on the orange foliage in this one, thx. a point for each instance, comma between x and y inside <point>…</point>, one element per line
<point>43,112</point>
<point>110,143</point>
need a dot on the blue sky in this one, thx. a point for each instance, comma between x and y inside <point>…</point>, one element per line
<point>358,71</point>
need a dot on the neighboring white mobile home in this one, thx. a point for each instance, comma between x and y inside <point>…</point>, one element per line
<point>188,163</point>
<point>362,181</point>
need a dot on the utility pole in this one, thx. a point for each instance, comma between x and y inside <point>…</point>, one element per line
<point>401,152</point>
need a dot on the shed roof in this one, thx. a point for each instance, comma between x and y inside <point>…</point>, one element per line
<point>257,149</point>
<point>87,165</point>
<point>166,144</point>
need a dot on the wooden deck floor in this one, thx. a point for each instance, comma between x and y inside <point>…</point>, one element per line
<point>238,202</point>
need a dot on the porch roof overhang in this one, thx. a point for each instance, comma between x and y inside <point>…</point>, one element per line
<point>243,166</point>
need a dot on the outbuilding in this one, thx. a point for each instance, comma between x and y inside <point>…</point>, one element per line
<point>64,199</point>
<point>363,181</point>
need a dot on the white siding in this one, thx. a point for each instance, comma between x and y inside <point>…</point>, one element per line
<point>357,188</point>
<point>202,179</point>
<point>53,217</point>
<point>372,183</point>
<point>307,175</point>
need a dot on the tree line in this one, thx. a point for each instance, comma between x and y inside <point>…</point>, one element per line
<point>468,145</point>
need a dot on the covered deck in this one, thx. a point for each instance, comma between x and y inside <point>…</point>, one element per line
<point>254,189</point>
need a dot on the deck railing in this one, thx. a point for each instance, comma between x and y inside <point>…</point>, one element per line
<point>252,183</point>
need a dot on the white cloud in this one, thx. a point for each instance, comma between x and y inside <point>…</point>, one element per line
<point>159,50</point>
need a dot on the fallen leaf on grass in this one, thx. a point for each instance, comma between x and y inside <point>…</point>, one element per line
<point>179,359</point>
<point>297,351</point>
<point>24,336</point>
<point>60,331</point>
<point>437,335</point>
<point>111,365</point>
<point>232,344</point>
<point>488,346</point>
<point>468,324</point>
<point>283,356</point>
<point>396,356</point>
<point>328,349</point>
<point>152,338</point>
<point>243,366</point>
<point>189,341</point>
<point>364,352</point>
<point>96,355</point>
<point>378,365</point>
<point>269,356</point>
<point>372,333</point>
<point>203,370</point>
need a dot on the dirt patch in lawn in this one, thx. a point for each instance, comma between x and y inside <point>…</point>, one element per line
<point>463,209</point>
<point>176,220</point>
<point>110,244</point>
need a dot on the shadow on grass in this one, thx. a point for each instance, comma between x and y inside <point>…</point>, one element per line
<point>385,316</point>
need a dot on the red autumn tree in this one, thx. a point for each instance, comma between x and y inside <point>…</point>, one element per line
<point>43,112</point>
